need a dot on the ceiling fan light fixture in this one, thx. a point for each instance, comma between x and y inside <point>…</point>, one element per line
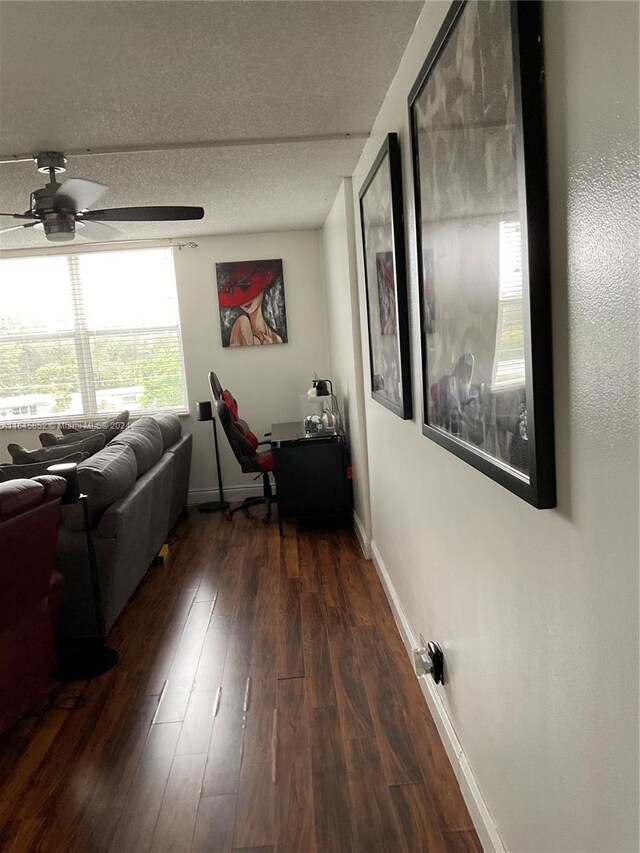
<point>59,228</point>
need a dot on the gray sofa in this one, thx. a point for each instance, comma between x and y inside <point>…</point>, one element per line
<point>137,487</point>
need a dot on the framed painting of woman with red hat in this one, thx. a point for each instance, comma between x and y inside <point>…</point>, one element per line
<point>251,303</point>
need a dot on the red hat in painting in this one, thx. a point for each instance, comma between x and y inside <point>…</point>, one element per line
<point>245,281</point>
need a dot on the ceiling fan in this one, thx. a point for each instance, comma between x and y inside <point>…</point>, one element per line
<point>61,209</point>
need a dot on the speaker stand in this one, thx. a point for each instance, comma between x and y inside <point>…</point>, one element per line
<point>214,506</point>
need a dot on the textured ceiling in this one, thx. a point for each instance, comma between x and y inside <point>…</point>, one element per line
<point>93,74</point>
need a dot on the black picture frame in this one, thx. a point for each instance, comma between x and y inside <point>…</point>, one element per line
<point>383,246</point>
<point>478,143</point>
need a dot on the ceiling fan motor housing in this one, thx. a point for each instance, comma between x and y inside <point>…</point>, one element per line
<point>55,211</point>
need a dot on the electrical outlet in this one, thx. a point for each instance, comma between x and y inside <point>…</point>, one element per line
<point>428,659</point>
<point>419,663</point>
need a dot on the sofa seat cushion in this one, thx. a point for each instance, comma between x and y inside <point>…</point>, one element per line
<point>144,437</point>
<point>35,469</point>
<point>104,478</point>
<point>22,456</point>
<point>170,427</point>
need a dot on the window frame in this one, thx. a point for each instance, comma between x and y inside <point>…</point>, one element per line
<point>81,338</point>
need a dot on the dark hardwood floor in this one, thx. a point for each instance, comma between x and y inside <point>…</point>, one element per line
<point>263,702</point>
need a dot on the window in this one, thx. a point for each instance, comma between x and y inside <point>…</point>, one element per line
<point>508,363</point>
<point>89,334</point>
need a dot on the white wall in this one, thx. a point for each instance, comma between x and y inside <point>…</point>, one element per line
<point>537,611</point>
<point>344,336</point>
<point>265,380</point>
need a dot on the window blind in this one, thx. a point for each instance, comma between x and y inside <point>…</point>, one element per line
<point>89,335</point>
<point>508,363</point>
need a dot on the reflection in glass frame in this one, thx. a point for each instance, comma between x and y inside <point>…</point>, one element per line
<point>478,145</point>
<point>382,219</point>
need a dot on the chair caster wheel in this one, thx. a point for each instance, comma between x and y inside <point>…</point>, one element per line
<point>228,516</point>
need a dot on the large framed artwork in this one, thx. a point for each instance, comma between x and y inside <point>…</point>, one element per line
<point>251,303</point>
<point>479,168</point>
<point>381,215</point>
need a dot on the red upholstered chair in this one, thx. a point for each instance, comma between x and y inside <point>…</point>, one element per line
<point>245,448</point>
<point>30,592</point>
<point>226,396</point>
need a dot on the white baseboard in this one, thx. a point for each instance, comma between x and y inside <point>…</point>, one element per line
<point>363,539</point>
<point>231,494</point>
<point>480,815</point>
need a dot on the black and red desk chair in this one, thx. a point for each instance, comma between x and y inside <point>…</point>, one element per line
<point>245,448</point>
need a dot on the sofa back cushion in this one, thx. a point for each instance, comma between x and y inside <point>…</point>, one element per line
<point>104,478</point>
<point>144,437</point>
<point>88,446</point>
<point>170,427</point>
<point>110,427</point>
<point>35,469</point>
<point>49,439</point>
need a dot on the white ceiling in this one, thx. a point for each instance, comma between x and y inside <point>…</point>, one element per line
<point>93,75</point>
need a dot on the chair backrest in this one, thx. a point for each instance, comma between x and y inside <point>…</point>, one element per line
<point>243,426</point>
<point>216,386</point>
<point>240,444</point>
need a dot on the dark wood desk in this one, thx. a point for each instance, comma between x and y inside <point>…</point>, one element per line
<point>312,475</point>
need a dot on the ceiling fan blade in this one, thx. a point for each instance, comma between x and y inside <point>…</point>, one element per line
<point>19,215</point>
<point>80,193</point>
<point>95,230</point>
<point>145,214</point>
<point>18,227</point>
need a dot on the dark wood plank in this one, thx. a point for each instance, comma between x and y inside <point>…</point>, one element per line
<point>159,660</point>
<point>225,749</point>
<point>462,841</point>
<point>229,579</point>
<point>351,695</point>
<point>356,583</point>
<point>293,791</point>
<point>140,813</point>
<point>263,849</point>
<point>308,561</point>
<point>331,797</point>
<point>290,646</point>
<point>317,656</point>
<point>255,820</point>
<point>418,820</point>
<point>244,613</point>
<point>175,697</point>
<point>21,758</point>
<point>197,725</point>
<point>20,836</point>
<point>376,825</point>
<point>94,832</point>
<point>212,557</point>
<point>85,810</point>
<point>397,752</point>
<point>56,770</point>
<point>290,545</point>
<point>177,818</point>
<point>214,824</point>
